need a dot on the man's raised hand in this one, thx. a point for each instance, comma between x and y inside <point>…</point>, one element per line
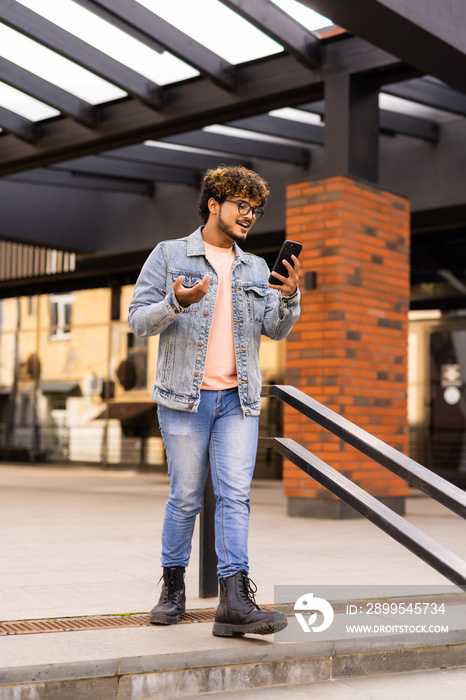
<point>190,295</point>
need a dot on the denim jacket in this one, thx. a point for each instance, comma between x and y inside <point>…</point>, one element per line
<point>184,332</point>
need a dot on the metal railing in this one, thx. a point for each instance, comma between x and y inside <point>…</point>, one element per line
<point>427,549</point>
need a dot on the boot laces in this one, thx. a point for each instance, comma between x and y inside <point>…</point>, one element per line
<point>247,589</point>
<point>172,581</point>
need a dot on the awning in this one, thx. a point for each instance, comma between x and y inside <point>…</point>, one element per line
<point>126,411</point>
<point>52,387</point>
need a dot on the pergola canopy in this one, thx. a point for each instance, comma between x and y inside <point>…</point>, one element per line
<point>113,110</point>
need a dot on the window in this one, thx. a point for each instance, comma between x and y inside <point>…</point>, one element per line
<point>32,306</point>
<point>137,354</point>
<point>116,303</point>
<point>25,410</point>
<point>61,306</point>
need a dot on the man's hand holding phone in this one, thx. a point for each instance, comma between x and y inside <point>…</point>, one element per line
<point>288,284</point>
<point>285,272</point>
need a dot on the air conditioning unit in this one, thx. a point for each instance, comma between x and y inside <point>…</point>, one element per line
<point>92,384</point>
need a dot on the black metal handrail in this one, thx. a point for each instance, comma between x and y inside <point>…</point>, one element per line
<point>427,481</point>
<point>448,564</point>
<point>439,558</point>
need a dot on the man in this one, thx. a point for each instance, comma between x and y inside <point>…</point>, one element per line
<point>211,302</point>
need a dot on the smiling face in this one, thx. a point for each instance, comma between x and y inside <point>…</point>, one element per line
<point>226,225</point>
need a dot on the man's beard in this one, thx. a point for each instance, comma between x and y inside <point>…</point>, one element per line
<point>228,230</point>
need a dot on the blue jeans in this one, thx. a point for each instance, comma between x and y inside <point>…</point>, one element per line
<point>218,433</point>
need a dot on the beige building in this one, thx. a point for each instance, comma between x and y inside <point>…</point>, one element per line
<point>75,381</point>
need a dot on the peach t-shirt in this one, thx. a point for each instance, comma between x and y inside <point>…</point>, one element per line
<point>220,370</point>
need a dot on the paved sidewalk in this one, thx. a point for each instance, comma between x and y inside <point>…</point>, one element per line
<point>80,541</point>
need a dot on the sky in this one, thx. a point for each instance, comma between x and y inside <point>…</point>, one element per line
<point>207,21</point>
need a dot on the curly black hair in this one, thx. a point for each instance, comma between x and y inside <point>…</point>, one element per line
<point>231,181</point>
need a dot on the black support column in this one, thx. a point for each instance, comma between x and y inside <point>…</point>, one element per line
<point>351,127</point>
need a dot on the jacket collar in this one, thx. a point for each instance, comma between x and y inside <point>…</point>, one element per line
<point>196,247</point>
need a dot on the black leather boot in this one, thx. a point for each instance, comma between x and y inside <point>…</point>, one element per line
<point>172,601</point>
<point>239,613</point>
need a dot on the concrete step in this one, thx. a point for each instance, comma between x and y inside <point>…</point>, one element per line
<point>447,684</point>
<point>156,663</point>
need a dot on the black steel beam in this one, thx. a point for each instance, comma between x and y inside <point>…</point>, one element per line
<point>355,55</point>
<point>392,122</point>
<point>278,81</point>
<point>17,125</point>
<point>443,303</point>
<point>155,32</point>
<point>175,158</point>
<point>248,147</point>
<point>396,123</point>
<point>86,181</point>
<point>113,167</point>
<point>283,128</point>
<point>420,544</point>
<point>438,249</point>
<point>439,219</point>
<point>39,29</point>
<point>315,107</point>
<point>405,467</point>
<point>295,39</point>
<point>119,22</point>
<point>429,36</point>
<point>431,93</point>
<point>47,92</point>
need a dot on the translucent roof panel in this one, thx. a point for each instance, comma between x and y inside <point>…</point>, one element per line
<point>241,133</point>
<point>302,14</point>
<point>178,147</point>
<point>25,106</point>
<point>161,68</point>
<point>296,115</point>
<point>217,27</point>
<point>208,22</point>
<point>58,70</point>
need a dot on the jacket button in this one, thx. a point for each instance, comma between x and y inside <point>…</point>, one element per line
<point>196,374</point>
<point>200,344</point>
<point>190,406</point>
<point>206,313</point>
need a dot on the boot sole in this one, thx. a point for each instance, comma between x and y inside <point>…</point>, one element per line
<point>164,619</point>
<point>221,629</point>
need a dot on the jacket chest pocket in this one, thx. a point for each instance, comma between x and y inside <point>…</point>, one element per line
<point>190,280</point>
<point>255,301</point>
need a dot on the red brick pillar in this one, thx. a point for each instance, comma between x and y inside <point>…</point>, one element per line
<point>349,348</point>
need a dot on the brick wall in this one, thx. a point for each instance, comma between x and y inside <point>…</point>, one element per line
<point>349,348</point>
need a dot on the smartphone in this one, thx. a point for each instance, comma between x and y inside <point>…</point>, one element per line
<point>288,249</point>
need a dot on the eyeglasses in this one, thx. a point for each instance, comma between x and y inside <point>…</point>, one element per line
<point>244,208</point>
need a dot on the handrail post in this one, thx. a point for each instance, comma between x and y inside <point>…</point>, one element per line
<point>208,581</point>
